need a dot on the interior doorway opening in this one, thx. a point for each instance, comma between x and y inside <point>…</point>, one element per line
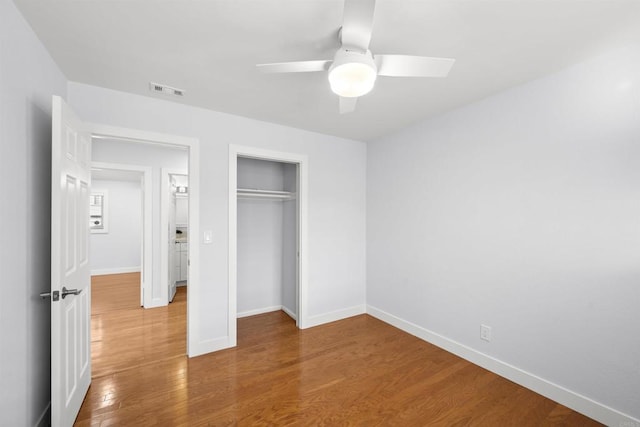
<point>124,336</point>
<point>175,215</point>
<point>121,221</point>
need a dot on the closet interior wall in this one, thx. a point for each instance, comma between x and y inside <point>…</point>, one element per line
<point>267,239</point>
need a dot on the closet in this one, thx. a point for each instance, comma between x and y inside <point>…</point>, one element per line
<point>267,240</point>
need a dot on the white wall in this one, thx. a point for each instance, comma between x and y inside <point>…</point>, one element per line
<point>337,174</point>
<point>28,78</point>
<point>156,157</point>
<point>119,250</point>
<point>182,211</point>
<point>521,212</point>
<point>260,235</point>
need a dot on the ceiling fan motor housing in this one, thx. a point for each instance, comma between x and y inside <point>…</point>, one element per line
<point>352,73</point>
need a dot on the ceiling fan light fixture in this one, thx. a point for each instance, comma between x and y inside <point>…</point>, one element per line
<point>352,74</point>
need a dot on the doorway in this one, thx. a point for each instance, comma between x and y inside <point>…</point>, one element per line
<point>71,368</point>
<point>175,218</point>
<point>124,334</point>
<point>154,294</point>
<point>131,215</point>
<point>294,300</point>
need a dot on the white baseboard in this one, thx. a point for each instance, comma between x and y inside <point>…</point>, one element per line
<point>290,313</point>
<point>555,392</point>
<point>45,418</point>
<point>119,270</point>
<point>333,316</point>
<point>258,311</point>
<point>209,346</point>
<point>157,302</point>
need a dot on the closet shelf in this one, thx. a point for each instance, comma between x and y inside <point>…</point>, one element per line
<point>250,193</point>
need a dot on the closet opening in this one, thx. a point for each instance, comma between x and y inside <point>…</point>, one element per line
<point>267,235</point>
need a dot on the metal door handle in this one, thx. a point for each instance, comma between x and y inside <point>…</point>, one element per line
<point>56,295</point>
<point>66,292</point>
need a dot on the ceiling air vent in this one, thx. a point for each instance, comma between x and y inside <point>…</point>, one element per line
<point>164,89</point>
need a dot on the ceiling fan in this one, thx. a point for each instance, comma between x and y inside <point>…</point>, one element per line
<point>354,69</point>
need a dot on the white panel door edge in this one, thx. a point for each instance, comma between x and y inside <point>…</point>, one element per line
<point>70,271</point>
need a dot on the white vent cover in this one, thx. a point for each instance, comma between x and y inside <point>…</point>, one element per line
<point>164,89</point>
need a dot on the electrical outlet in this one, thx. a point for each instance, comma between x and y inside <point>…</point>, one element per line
<point>485,332</point>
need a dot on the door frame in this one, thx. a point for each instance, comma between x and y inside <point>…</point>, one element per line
<point>302,161</point>
<point>146,264</point>
<point>194,347</point>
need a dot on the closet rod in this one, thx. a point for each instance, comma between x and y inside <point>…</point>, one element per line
<point>248,193</point>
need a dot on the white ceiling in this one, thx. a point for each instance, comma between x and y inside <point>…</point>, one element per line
<point>210,48</point>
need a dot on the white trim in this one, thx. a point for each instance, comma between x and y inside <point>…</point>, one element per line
<point>333,316</point>
<point>116,270</point>
<point>555,392</point>
<point>303,192</point>
<point>194,345</point>
<point>289,313</point>
<point>259,311</point>
<point>45,418</point>
<point>209,346</point>
<point>146,249</point>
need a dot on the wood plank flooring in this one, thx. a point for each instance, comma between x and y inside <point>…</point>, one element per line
<point>125,335</point>
<point>355,372</point>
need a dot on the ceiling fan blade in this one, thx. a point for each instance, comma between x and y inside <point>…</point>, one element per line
<point>347,105</point>
<point>296,67</point>
<point>413,66</point>
<point>357,23</point>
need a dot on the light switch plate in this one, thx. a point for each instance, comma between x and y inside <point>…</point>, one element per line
<point>207,237</point>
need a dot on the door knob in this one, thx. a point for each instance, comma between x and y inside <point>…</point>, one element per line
<point>66,292</point>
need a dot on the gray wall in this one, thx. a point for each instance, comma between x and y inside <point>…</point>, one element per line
<point>337,174</point>
<point>522,212</point>
<point>28,78</point>
<point>120,248</point>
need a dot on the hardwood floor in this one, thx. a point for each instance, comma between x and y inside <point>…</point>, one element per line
<point>125,335</point>
<point>355,372</point>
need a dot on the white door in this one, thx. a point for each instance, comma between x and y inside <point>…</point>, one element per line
<point>172,273</point>
<point>70,274</point>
